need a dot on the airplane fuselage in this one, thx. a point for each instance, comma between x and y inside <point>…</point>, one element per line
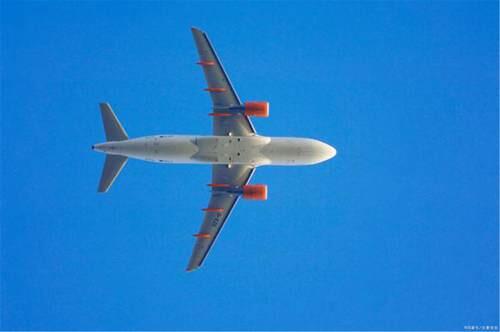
<point>228,150</point>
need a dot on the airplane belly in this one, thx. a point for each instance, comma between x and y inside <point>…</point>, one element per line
<point>162,148</point>
<point>231,150</point>
<point>173,149</point>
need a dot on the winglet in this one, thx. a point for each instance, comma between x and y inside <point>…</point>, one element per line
<point>195,29</point>
<point>191,269</point>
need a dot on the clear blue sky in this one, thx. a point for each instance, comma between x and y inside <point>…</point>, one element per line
<point>399,231</point>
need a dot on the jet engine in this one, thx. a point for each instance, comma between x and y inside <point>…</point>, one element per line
<point>255,192</point>
<point>258,109</point>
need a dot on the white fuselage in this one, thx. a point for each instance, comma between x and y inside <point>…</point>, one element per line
<point>228,150</point>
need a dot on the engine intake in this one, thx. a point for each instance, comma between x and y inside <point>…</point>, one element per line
<point>258,109</point>
<point>255,192</point>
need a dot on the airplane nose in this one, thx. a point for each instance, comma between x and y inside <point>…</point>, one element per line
<point>324,151</point>
<point>327,151</point>
<point>317,151</point>
<point>332,152</point>
<point>93,147</point>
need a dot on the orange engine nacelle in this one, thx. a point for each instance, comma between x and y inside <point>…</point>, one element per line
<point>255,192</point>
<point>258,109</point>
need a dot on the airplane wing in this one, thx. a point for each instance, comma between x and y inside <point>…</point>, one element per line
<point>221,90</point>
<point>219,208</point>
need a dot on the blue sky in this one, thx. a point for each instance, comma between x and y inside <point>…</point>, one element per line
<point>398,231</point>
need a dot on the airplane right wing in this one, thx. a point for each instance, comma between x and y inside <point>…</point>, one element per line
<point>219,208</point>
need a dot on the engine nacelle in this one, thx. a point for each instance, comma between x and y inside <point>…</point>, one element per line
<point>258,109</point>
<point>255,192</point>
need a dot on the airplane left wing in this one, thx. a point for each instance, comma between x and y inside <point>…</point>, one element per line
<point>221,90</point>
<point>219,208</point>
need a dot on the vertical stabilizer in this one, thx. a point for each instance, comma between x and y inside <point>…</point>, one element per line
<point>112,127</point>
<point>112,167</point>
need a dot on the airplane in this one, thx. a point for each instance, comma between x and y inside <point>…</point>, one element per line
<point>234,150</point>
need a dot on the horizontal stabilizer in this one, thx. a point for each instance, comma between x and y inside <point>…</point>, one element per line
<point>112,127</point>
<point>112,167</point>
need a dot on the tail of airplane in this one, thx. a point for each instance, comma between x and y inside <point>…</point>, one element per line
<point>112,127</point>
<point>113,163</point>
